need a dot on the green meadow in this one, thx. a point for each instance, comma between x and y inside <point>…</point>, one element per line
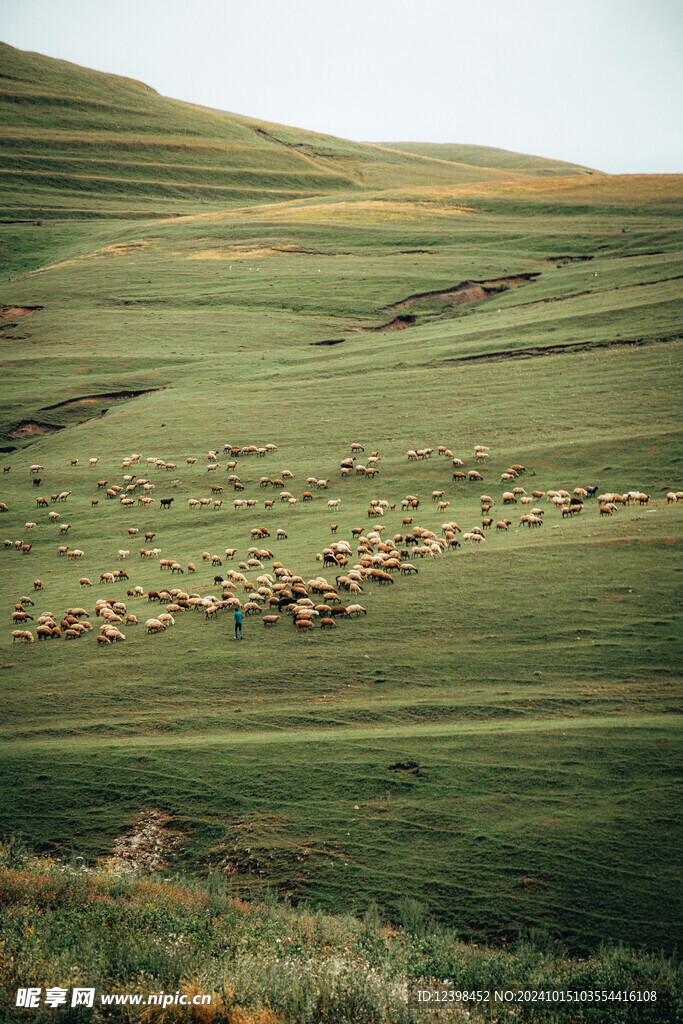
<point>498,738</point>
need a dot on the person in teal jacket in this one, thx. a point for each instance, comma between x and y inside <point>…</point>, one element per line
<point>238,625</point>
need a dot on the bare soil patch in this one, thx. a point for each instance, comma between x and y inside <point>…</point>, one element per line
<point>149,844</point>
<point>12,312</point>
<point>466,291</point>
<point>111,396</point>
<point>569,349</point>
<point>569,259</point>
<point>399,323</point>
<point>29,428</point>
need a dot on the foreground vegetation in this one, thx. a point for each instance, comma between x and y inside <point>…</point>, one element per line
<point>268,964</point>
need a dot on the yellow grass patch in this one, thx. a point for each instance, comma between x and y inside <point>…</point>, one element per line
<point>371,210</point>
<point>119,249</point>
<point>607,188</point>
<point>238,252</point>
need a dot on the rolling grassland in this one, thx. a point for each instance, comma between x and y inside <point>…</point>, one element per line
<point>498,738</point>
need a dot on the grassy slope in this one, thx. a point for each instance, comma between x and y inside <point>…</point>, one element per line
<point>488,156</point>
<point>268,964</point>
<point>81,143</point>
<point>533,680</point>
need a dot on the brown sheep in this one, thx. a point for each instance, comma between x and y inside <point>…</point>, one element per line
<point>22,634</point>
<point>153,625</point>
<point>271,620</point>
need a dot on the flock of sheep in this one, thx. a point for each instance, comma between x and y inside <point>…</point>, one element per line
<point>276,588</point>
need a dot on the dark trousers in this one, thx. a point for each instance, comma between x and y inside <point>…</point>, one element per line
<point>238,630</point>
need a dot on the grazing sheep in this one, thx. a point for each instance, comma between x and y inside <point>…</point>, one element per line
<point>131,620</point>
<point>38,585</point>
<point>355,609</point>
<point>22,634</point>
<point>270,620</point>
<point>154,625</point>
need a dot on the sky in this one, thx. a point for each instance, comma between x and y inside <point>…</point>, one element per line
<point>594,82</point>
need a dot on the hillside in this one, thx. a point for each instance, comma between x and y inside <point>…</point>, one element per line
<point>81,143</point>
<point>488,157</point>
<point>497,739</point>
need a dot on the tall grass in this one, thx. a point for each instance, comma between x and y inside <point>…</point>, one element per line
<point>68,926</point>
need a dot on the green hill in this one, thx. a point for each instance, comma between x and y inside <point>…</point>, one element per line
<point>79,143</point>
<point>496,742</point>
<point>487,157</point>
